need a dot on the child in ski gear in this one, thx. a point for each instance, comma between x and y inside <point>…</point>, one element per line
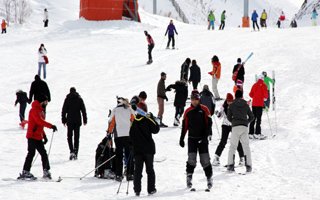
<point>223,20</point>
<point>3,26</point>
<point>268,81</point>
<point>258,93</point>
<point>144,148</point>
<point>254,18</point>
<point>197,121</point>
<point>38,88</point>
<point>216,73</point>
<point>314,17</point>
<point>171,29</point>
<point>161,96</point>
<point>37,138</point>
<point>238,71</point>
<point>181,90</point>
<point>185,70</point>
<point>207,99</point>
<point>42,52</point>
<point>195,74</point>
<point>281,19</point>
<point>150,46</point>
<point>226,129</point>
<point>240,115</point>
<point>104,152</point>
<point>45,17</point>
<point>72,109</point>
<point>211,19</point>
<point>22,99</point>
<point>119,125</point>
<point>263,19</point>
<point>293,24</point>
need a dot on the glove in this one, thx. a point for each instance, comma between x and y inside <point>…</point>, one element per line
<point>181,143</point>
<point>45,139</point>
<point>54,128</point>
<point>166,98</point>
<point>134,107</point>
<point>209,137</point>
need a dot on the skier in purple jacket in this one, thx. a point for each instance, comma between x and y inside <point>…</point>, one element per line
<point>170,30</point>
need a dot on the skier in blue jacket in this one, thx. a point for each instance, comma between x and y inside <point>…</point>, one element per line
<point>171,30</point>
<point>314,17</point>
<point>254,18</point>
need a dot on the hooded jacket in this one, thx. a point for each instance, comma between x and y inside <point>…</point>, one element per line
<point>181,95</point>
<point>38,87</point>
<point>258,93</point>
<point>195,74</point>
<point>72,108</point>
<point>207,99</point>
<point>238,113</point>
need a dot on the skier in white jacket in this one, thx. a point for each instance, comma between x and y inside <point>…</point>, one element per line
<point>42,53</point>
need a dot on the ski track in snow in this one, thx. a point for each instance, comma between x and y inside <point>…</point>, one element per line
<point>105,59</point>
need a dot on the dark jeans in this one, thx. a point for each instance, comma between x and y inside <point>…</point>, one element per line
<point>195,85</point>
<point>34,145</point>
<point>138,165</point>
<point>73,130</point>
<point>170,37</point>
<point>4,31</point>
<point>150,47</point>
<point>255,23</point>
<point>179,111</point>
<point>263,23</point>
<point>257,112</point>
<point>123,147</point>
<point>222,25</point>
<point>46,23</point>
<point>224,139</point>
<point>22,111</point>
<point>201,146</point>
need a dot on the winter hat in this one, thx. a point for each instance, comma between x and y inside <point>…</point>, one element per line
<point>195,95</point>
<point>194,62</point>
<point>205,87</point>
<point>143,106</point>
<point>41,98</point>
<point>239,82</point>
<point>238,94</point>
<point>239,60</point>
<point>72,89</point>
<point>264,73</point>
<point>229,97</point>
<point>260,76</point>
<point>143,95</point>
<point>163,74</point>
<point>188,60</point>
<point>37,77</point>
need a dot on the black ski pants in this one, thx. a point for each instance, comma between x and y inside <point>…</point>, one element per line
<point>22,110</point>
<point>179,111</point>
<point>123,147</point>
<point>195,85</point>
<point>34,145</point>
<point>4,31</point>
<point>222,25</point>
<point>139,160</point>
<point>73,130</point>
<point>150,47</point>
<point>255,23</point>
<point>224,139</point>
<point>46,22</point>
<point>196,145</point>
<point>257,112</point>
<point>171,37</point>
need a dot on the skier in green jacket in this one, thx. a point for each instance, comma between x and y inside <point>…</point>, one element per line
<point>211,19</point>
<point>223,20</point>
<point>268,81</point>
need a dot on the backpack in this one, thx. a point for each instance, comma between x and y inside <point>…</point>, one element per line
<point>235,74</point>
<point>103,153</point>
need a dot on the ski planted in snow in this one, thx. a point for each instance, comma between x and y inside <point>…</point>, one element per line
<point>273,95</point>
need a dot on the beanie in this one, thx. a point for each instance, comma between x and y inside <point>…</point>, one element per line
<point>163,74</point>
<point>72,89</point>
<point>195,95</point>
<point>229,97</point>
<point>239,60</point>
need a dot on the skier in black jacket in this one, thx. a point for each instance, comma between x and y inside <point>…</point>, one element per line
<point>22,99</point>
<point>195,74</point>
<point>207,99</point>
<point>71,116</point>
<point>197,120</point>
<point>241,71</point>
<point>144,149</point>
<point>181,90</point>
<point>185,70</point>
<point>38,88</point>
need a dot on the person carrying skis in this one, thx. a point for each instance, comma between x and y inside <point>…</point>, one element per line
<point>240,115</point>
<point>22,99</point>
<point>181,90</point>
<point>72,109</point>
<point>238,71</point>
<point>171,29</point>
<point>161,96</point>
<point>38,88</point>
<point>215,73</point>
<point>281,19</point>
<point>223,20</point>
<point>150,47</point>
<point>42,53</point>
<point>211,19</point>
<point>3,26</point>
<point>207,99</point>
<point>268,81</point>
<point>254,18</point>
<point>197,121</point>
<point>144,149</point>
<point>45,17</point>
<point>226,129</point>
<point>185,70</point>
<point>37,138</point>
<point>195,74</point>
<point>119,125</point>
<point>263,19</point>
<point>314,17</point>
<point>258,93</point>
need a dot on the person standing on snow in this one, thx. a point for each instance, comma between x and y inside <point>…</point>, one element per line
<point>223,20</point>
<point>45,17</point>
<point>268,81</point>
<point>38,88</point>
<point>239,70</point>
<point>215,73</point>
<point>197,121</point>
<point>314,17</point>
<point>181,90</point>
<point>3,26</point>
<point>22,99</point>
<point>240,115</point>
<point>42,53</point>
<point>254,18</point>
<point>226,129</point>
<point>185,70</point>
<point>144,149</point>
<point>195,74</point>
<point>259,94</point>
<point>72,109</point>
<point>171,30</point>
<point>150,46</point>
<point>211,19</point>
<point>207,99</point>
<point>281,19</point>
<point>263,19</point>
<point>37,138</point>
<point>161,96</point>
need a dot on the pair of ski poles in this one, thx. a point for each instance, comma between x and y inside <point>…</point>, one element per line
<point>48,150</point>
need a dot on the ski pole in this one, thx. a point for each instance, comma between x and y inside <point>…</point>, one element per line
<point>215,121</point>
<point>97,167</point>
<point>129,170</point>
<point>269,124</point>
<point>50,144</point>
<point>35,159</point>
<point>119,186</point>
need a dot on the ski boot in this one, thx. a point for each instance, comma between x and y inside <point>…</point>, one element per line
<point>248,169</point>
<point>72,156</point>
<point>149,62</point>
<point>119,178</point>
<point>26,175</point>
<point>153,192</point>
<point>259,137</point>
<point>209,183</point>
<point>176,121</point>
<point>189,180</point>
<point>241,162</point>
<point>216,161</point>
<point>46,174</point>
<point>230,168</point>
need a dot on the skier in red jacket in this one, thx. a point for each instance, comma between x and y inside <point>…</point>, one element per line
<point>258,93</point>
<point>37,138</point>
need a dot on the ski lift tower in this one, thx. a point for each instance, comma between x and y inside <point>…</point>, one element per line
<point>245,18</point>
